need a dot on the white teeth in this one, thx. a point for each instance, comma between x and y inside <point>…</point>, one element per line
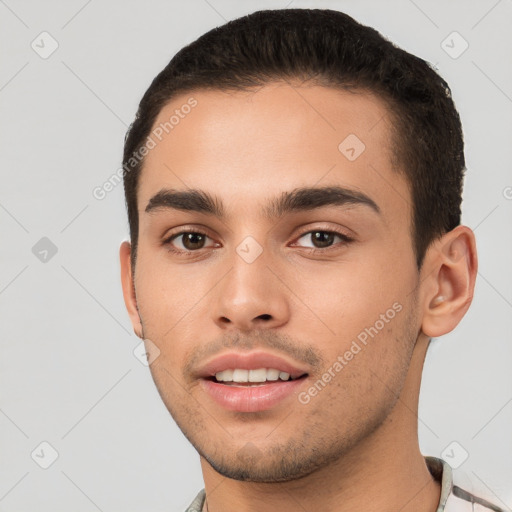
<point>225,376</point>
<point>272,374</point>
<point>258,375</point>
<point>240,375</point>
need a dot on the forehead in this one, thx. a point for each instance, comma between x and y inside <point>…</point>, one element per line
<point>247,146</point>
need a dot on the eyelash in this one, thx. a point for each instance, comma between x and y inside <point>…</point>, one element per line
<point>311,250</point>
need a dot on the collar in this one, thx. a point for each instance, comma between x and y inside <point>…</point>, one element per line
<point>442,473</point>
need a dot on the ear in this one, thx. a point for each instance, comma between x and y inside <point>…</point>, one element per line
<point>448,281</point>
<point>130,298</point>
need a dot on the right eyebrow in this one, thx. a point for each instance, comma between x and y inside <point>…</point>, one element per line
<point>188,200</point>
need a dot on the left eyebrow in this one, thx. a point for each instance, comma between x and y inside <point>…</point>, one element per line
<point>310,198</point>
<point>299,199</point>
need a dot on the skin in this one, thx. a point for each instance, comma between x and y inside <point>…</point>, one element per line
<point>354,446</point>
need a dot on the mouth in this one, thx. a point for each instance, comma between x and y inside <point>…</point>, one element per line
<point>250,382</point>
<point>242,395</point>
<point>254,377</point>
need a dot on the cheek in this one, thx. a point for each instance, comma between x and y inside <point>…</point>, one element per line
<point>347,297</point>
<point>170,296</point>
<point>361,329</point>
<point>363,376</point>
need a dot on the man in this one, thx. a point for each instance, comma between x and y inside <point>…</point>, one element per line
<point>293,184</point>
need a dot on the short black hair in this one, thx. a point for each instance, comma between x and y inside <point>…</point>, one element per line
<point>329,48</point>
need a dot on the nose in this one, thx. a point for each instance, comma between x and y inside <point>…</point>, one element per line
<point>250,296</point>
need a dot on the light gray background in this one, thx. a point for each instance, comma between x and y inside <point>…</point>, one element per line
<point>68,373</point>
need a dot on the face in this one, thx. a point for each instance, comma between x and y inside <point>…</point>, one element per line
<point>271,275</point>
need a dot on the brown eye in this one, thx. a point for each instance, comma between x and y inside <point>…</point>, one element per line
<point>186,241</point>
<point>193,241</point>
<point>323,239</point>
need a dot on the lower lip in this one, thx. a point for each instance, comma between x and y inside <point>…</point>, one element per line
<point>250,398</point>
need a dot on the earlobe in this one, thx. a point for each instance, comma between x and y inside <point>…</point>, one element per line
<point>128,285</point>
<point>449,281</point>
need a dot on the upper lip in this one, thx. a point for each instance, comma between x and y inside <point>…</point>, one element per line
<point>248,361</point>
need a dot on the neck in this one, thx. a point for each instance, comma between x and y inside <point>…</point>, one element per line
<point>384,472</point>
